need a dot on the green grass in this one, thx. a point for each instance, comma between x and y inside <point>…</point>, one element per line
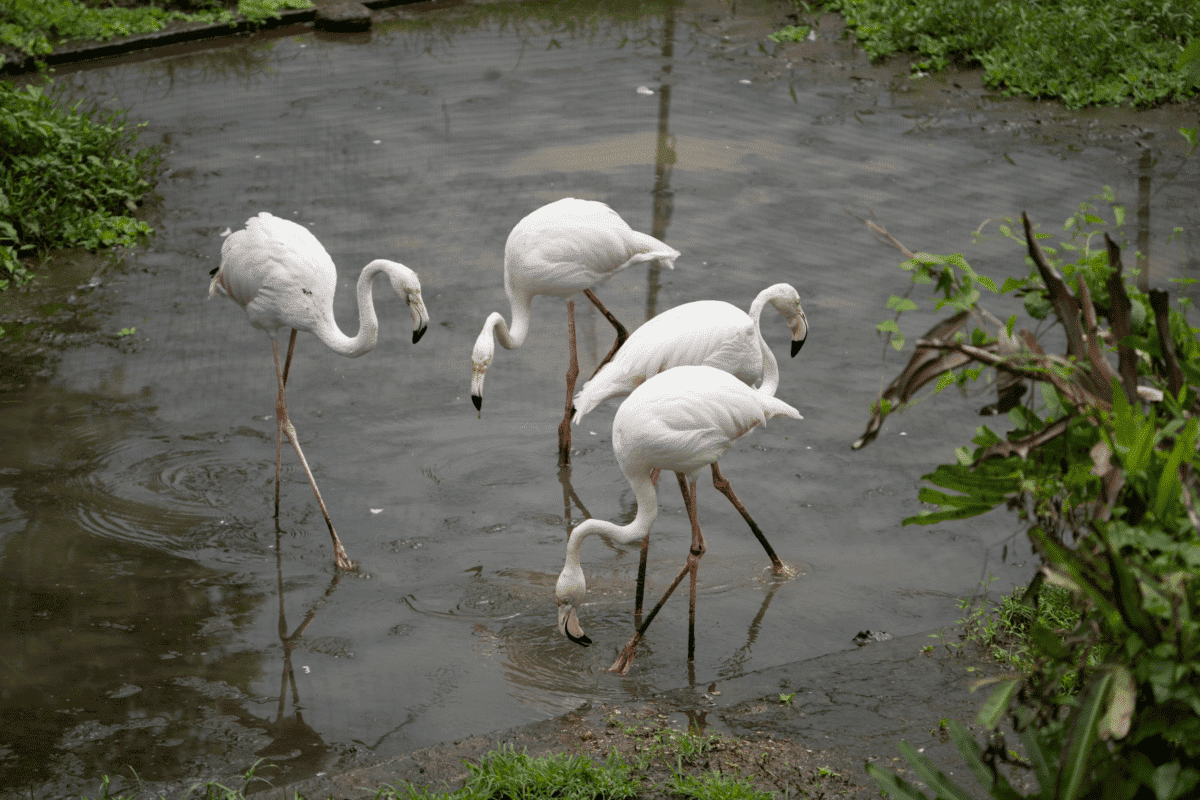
<point>1083,52</point>
<point>67,179</point>
<point>33,27</point>
<point>506,774</point>
<point>1004,628</point>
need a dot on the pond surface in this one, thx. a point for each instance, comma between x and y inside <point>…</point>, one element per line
<point>158,618</point>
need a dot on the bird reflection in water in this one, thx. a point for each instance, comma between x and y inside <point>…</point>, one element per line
<point>292,739</point>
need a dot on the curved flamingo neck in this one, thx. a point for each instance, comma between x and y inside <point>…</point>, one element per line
<point>770,379</point>
<point>512,336</point>
<point>368,323</point>
<point>647,512</point>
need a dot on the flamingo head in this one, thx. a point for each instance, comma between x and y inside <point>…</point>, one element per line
<point>481,358</point>
<point>787,302</point>
<point>568,594</point>
<point>420,316</point>
<point>406,284</point>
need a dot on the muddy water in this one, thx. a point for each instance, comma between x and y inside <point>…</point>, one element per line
<point>158,618</point>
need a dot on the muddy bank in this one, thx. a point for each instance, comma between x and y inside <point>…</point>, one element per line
<point>803,729</point>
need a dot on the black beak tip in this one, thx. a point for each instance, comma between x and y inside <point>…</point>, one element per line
<point>796,345</point>
<point>584,640</point>
<point>417,334</point>
<point>478,401</point>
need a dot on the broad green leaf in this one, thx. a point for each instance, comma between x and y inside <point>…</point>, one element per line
<point>1037,757</point>
<point>1047,641</point>
<point>1011,283</point>
<point>927,771</point>
<point>1084,726</point>
<point>894,787</point>
<point>996,706</point>
<point>1168,483</point>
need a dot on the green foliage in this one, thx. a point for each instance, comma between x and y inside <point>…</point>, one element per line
<point>259,11</point>
<point>208,790</point>
<point>714,786</point>
<point>790,33</point>
<point>1085,52</point>
<point>35,26</point>
<point>1108,702</point>
<point>1018,631</point>
<point>508,775</point>
<point>67,179</point>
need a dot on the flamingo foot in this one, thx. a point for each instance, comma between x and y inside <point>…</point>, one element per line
<point>625,659</point>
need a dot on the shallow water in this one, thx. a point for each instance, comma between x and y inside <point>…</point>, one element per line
<point>159,619</point>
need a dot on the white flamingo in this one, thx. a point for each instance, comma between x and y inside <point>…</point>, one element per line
<point>283,279</point>
<point>708,333</point>
<point>562,248</point>
<point>682,420</point>
<point>704,333</point>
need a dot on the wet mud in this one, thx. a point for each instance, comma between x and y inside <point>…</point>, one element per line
<point>161,620</point>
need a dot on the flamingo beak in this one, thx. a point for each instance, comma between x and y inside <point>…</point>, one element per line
<point>799,328</point>
<point>420,316</point>
<point>568,623</point>
<point>478,370</point>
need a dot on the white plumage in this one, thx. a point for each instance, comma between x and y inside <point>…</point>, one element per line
<point>706,332</point>
<point>681,420</point>
<point>560,249</point>
<point>284,279</point>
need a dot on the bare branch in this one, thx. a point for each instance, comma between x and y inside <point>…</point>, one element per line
<point>927,362</point>
<point>1022,447</point>
<point>1102,375</point>
<point>1119,319</point>
<point>1160,302</point>
<point>1065,304</point>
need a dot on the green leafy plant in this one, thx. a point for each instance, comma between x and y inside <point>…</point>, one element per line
<point>1102,463</point>
<point>33,27</point>
<point>67,179</point>
<point>1084,52</point>
<point>508,774</point>
<point>791,33</point>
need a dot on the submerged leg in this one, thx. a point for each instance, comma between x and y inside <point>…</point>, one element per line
<point>698,549</point>
<point>564,427</point>
<point>281,420</point>
<point>641,581</point>
<point>722,485</point>
<point>625,659</point>
<point>622,334</point>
